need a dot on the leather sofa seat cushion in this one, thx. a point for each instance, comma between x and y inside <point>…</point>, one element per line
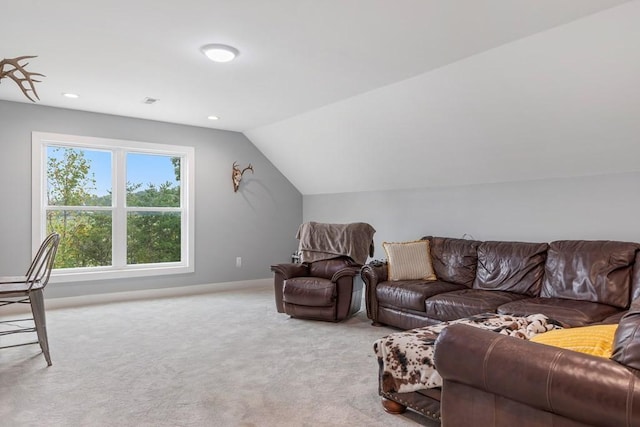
<point>327,268</point>
<point>511,266</point>
<point>411,294</point>
<point>568,312</point>
<point>597,271</point>
<point>467,302</point>
<point>454,260</point>
<point>404,319</point>
<point>626,343</point>
<point>310,291</point>
<point>614,319</point>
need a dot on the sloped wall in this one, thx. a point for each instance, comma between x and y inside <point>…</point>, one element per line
<point>560,103</point>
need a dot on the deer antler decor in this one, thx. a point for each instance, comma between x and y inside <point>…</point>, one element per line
<point>236,175</point>
<point>23,78</point>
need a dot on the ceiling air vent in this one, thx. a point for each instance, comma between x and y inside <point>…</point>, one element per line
<point>148,100</point>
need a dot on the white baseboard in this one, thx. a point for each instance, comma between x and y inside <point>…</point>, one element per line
<point>86,300</point>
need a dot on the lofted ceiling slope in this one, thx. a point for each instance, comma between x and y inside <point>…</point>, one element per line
<point>356,95</point>
<point>560,103</point>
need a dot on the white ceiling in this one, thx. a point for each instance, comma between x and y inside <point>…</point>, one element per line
<point>408,93</point>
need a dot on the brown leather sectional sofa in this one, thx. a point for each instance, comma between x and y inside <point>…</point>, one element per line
<point>575,282</point>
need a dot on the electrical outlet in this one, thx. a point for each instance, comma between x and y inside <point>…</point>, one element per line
<point>238,262</point>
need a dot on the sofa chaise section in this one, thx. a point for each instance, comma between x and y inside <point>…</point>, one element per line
<point>500,381</point>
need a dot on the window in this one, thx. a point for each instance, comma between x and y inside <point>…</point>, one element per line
<point>122,208</point>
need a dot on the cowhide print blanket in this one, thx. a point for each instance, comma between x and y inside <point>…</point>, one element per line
<point>406,358</point>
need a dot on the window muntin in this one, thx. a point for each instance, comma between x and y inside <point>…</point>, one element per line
<point>124,207</point>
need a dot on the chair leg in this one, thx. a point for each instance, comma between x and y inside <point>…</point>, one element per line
<point>37,308</point>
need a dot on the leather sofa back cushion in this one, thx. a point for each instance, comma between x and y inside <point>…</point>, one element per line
<point>511,266</point>
<point>626,344</point>
<point>454,260</point>
<point>596,271</point>
<point>328,267</point>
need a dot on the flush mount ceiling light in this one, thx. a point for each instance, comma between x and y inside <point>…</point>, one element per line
<point>219,52</point>
<point>213,118</point>
<point>70,95</point>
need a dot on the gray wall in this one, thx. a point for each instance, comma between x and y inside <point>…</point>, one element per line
<point>595,207</point>
<point>258,222</point>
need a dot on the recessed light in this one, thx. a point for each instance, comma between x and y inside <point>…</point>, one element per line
<point>213,118</point>
<point>70,95</point>
<point>220,52</point>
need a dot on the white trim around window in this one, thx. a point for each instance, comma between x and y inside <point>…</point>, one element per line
<point>119,148</point>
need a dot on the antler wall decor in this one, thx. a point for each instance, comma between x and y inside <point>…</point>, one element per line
<point>23,78</point>
<point>236,175</point>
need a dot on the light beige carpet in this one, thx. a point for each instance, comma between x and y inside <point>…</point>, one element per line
<point>224,358</point>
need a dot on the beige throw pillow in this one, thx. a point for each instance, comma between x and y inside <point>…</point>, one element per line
<point>409,260</point>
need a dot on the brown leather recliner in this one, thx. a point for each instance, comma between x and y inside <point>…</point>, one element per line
<point>328,290</point>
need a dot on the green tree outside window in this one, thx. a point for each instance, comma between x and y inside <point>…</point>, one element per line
<point>82,216</point>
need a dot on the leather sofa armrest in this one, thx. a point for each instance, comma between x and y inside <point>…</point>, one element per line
<point>372,274</point>
<point>289,271</point>
<point>346,272</point>
<point>589,389</point>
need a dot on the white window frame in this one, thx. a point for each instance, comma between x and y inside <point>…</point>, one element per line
<point>119,269</point>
